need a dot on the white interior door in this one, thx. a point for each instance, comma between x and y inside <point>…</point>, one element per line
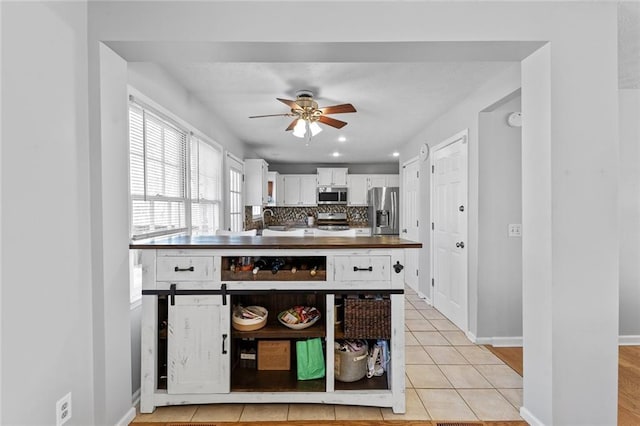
<point>409,230</point>
<point>449,212</point>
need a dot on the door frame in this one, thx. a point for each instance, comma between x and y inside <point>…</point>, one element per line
<point>403,169</point>
<point>464,135</point>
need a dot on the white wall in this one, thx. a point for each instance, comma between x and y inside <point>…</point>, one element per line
<point>499,204</point>
<point>465,115</point>
<point>46,264</point>
<point>629,104</point>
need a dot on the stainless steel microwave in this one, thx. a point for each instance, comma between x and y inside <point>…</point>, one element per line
<point>331,195</point>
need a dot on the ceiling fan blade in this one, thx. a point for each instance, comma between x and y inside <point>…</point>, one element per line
<point>338,109</point>
<point>271,115</point>
<point>292,125</point>
<point>290,103</point>
<point>332,122</point>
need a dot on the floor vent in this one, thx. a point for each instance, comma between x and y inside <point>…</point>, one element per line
<point>458,424</point>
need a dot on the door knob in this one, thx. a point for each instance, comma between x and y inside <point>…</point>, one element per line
<point>461,208</point>
<point>460,244</point>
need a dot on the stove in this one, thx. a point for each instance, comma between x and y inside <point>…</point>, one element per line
<point>333,221</point>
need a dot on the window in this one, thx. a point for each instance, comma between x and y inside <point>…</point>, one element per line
<point>236,210</point>
<point>157,174</point>
<point>162,202</point>
<point>205,187</point>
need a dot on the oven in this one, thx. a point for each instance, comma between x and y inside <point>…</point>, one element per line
<point>331,195</point>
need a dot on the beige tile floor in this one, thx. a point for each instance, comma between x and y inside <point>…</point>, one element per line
<point>447,378</point>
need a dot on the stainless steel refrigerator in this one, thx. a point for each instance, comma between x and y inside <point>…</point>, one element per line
<point>384,216</point>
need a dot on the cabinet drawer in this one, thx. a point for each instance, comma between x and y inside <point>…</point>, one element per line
<point>362,268</point>
<point>184,268</point>
<point>363,232</point>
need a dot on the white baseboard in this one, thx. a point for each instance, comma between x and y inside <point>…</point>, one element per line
<point>629,340</point>
<point>127,418</point>
<point>507,342</point>
<point>530,418</point>
<point>135,398</point>
<point>473,338</point>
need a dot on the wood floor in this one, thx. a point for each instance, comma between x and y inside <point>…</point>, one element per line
<point>339,422</point>
<point>628,379</point>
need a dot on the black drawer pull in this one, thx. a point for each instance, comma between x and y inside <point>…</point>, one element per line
<point>356,269</point>
<point>189,269</point>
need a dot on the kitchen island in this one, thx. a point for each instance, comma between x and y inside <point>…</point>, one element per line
<point>192,354</point>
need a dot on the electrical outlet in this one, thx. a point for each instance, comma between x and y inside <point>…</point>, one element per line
<point>515,230</point>
<point>63,409</point>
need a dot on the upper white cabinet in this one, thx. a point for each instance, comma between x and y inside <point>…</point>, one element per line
<point>300,190</point>
<point>359,186</point>
<point>256,182</point>
<point>376,181</point>
<point>279,190</point>
<point>332,176</point>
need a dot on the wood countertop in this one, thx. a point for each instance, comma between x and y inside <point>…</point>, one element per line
<point>244,242</point>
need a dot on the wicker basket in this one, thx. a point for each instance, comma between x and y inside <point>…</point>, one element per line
<point>367,318</point>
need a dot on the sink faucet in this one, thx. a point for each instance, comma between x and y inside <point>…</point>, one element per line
<point>264,225</point>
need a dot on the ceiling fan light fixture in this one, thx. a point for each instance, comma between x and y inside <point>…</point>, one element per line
<point>300,129</point>
<point>315,128</point>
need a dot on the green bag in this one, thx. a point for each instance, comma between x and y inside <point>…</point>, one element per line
<point>310,359</point>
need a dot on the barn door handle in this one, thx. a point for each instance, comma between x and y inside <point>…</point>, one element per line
<point>460,244</point>
<point>224,340</point>
<point>178,269</point>
<point>356,269</point>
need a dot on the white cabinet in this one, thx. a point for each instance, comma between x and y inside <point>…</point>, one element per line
<point>358,187</point>
<point>383,180</point>
<point>363,232</point>
<point>332,176</point>
<point>198,342</point>
<point>279,190</point>
<point>256,182</point>
<point>300,190</point>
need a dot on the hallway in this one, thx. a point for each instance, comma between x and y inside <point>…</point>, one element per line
<point>447,378</point>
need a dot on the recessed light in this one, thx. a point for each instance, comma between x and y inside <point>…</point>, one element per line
<point>336,154</point>
<point>342,139</point>
<point>396,154</point>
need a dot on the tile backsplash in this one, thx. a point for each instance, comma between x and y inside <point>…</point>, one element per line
<point>357,216</point>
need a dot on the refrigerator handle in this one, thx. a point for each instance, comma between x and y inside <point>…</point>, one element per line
<point>393,210</point>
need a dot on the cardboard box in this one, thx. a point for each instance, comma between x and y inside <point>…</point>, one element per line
<point>274,355</point>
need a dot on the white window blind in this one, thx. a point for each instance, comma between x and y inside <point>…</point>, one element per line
<point>206,183</point>
<point>236,211</point>
<point>157,174</point>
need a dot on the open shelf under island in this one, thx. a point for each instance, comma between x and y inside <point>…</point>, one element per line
<point>192,354</point>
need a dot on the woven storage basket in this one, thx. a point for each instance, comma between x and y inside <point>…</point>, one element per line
<point>367,318</point>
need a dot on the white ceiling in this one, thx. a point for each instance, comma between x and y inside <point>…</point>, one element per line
<point>394,101</point>
<point>397,89</point>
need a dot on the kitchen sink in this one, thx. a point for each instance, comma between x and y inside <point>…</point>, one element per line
<point>278,227</point>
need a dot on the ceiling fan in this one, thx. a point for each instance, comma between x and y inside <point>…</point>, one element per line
<point>307,114</point>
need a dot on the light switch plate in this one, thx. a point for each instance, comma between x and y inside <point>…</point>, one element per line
<point>515,229</point>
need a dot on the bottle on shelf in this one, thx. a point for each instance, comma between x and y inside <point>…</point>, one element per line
<point>313,271</point>
<point>259,264</point>
<point>277,264</point>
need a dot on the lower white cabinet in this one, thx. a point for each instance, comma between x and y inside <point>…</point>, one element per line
<point>198,345</point>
